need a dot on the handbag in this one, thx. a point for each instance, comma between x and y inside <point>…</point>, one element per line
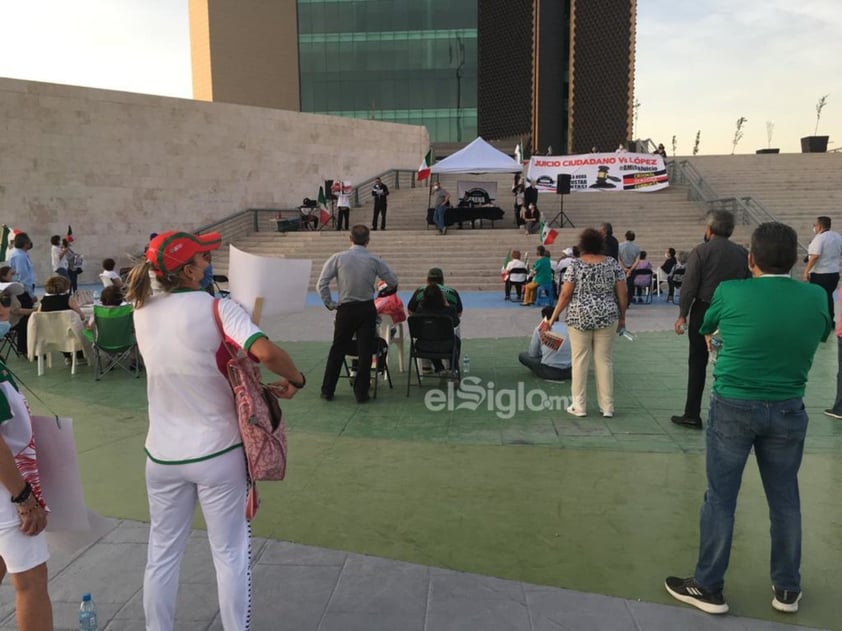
<point>260,420</point>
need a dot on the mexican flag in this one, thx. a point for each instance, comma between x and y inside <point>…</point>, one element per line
<point>548,234</point>
<point>324,215</point>
<point>424,169</point>
<point>506,262</point>
<point>69,236</point>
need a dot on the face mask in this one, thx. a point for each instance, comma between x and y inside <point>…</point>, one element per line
<point>4,328</point>
<point>207,277</point>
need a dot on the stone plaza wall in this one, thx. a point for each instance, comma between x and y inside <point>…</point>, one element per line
<point>117,165</point>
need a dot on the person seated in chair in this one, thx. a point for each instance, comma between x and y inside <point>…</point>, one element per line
<point>515,275</point>
<point>641,276</point>
<point>57,298</point>
<point>531,216</point>
<point>434,301</point>
<point>416,304</point>
<point>111,297</point>
<point>549,351</point>
<point>18,314</point>
<point>542,276</point>
<point>436,277</point>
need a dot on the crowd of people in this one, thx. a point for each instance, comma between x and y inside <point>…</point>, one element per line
<point>194,452</point>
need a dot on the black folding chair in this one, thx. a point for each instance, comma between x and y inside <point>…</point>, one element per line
<point>382,365</point>
<point>431,337</point>
<point>9,344</point>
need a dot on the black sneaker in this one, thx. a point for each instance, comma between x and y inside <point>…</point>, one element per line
<point>832,414</point>
<point>686,421</point>
<point>686,590</point>
<point>785,600</point>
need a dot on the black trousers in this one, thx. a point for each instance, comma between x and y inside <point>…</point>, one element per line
<point>342,214</point>
<point>828,282</point>
<point>352,318</point>
<point>379,210</point>
<point>518,288</point>
<point>697,361</point>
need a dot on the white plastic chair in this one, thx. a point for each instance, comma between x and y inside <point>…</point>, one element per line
<point>386,325</point>
<point>660,277</point>
<point>54,331</point>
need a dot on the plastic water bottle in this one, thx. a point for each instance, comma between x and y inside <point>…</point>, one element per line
<point>631,337</point>
<point>87,614</point>
<point>715,346</point>
<point>96,295</point>
<point>466,365</point>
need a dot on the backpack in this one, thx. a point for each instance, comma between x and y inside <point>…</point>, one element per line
<point>260,419</point>
<point>75,261</point>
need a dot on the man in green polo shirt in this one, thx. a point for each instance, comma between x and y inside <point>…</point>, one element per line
<point>770,326</point>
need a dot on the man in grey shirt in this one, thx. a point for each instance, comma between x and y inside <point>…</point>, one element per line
<point>710,263</point>
<point>356,271</point>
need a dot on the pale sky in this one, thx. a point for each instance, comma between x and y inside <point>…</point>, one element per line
<point>700,64</point>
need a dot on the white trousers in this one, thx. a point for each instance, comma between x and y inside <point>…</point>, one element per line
<point>219,484</point>
<point>600,344</point>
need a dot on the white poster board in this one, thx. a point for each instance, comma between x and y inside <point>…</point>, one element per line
<point>71,525</point>
<point>281,283</point>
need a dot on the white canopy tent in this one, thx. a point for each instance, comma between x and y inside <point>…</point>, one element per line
<point>477,157</point>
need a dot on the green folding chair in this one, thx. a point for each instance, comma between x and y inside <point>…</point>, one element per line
<point>113,341</point>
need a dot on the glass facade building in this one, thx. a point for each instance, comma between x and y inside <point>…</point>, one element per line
<point>541,73</point>
<point>404,61</point>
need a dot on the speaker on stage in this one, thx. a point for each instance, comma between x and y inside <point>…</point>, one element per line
<point>328,190</point>
<point>562,186</point>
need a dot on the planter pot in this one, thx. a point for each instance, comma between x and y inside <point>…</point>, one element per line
<point>775,150</point>
<point>814,144</point>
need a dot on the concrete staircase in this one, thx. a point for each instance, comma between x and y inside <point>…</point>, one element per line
<point>471,258</point>
<point>794,187</point>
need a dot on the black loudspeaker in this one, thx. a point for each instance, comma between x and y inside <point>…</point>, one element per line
<point>328,186</point>
<point>562,186</point>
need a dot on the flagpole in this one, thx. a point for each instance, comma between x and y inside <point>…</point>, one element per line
<point>429,195</point>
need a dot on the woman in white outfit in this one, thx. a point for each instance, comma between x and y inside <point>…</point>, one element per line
<point>193,447</point>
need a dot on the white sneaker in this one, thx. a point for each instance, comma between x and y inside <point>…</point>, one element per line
<point>571,409</point>
<point>608,414</point>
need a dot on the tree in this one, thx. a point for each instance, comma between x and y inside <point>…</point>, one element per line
<point>770,129</point>
<point>674,144</point>
<point>819,107</point>
<point>738,133</point>
<point>696,145</point>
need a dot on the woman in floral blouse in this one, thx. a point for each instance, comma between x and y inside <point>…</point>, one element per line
<point>595,296</point>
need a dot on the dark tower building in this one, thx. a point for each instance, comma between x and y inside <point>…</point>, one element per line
<point>550,73</point>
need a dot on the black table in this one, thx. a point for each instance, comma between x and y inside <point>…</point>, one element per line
<point>464,214</point>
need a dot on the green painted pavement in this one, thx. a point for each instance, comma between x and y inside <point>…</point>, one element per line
<point>602,505</point>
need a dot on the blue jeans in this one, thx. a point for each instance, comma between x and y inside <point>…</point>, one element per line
<point>438,217</point>
<point>837,405</point>
<point>776,430</point>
